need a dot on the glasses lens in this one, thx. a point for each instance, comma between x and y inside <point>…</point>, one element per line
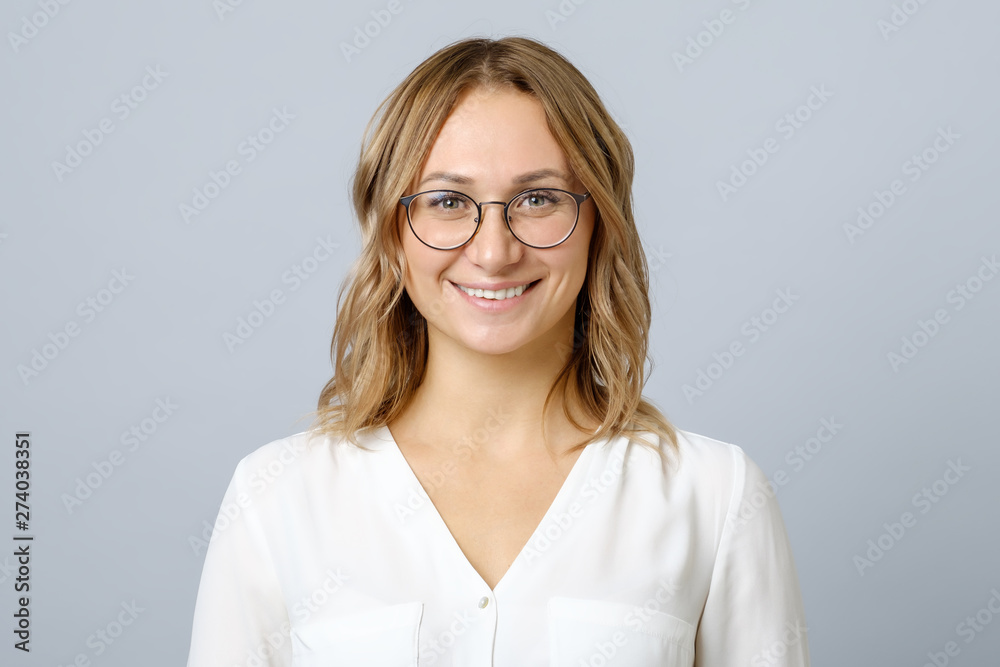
<point>543,217</point>
<point>443,219</point>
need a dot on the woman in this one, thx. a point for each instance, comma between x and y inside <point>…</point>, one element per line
<point>484,484</point>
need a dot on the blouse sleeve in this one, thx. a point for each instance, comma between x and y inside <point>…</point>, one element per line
<point>753,615</point>
<point>240,617</point>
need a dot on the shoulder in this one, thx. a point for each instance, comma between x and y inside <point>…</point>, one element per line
<point>728,463</point>
<point>696,457</point>
<point>702,456</point>
<point>284,453</point>
<point>297,461</point>
<point>702,472</point>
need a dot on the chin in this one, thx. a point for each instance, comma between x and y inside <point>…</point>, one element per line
<point>491,344</point>
<point>492,348</point>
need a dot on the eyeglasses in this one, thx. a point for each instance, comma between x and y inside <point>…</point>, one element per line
<point>539,218</point>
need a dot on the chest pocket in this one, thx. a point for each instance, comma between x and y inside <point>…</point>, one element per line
<point>596,632</point>
<point>384,637</point>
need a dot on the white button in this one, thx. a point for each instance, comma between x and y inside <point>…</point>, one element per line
<point>483,602</point>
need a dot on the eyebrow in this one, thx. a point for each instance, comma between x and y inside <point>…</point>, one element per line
<point>523,179</point>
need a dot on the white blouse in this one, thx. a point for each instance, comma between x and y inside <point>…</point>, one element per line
<point>326,554</point>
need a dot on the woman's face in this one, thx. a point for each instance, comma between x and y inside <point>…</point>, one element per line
<point>493,146</point>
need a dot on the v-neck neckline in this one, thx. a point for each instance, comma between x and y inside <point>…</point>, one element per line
<point>569,485</point>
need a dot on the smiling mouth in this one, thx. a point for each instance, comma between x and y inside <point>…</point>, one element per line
<point>498,295</point>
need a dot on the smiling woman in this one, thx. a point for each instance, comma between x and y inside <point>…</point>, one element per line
<point>485,483</point>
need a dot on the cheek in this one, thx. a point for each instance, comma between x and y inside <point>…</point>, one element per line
<point>411,251</point>
<point>579,253</point>
<point>424,268</point>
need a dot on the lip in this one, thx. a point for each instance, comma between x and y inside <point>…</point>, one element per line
<point>492,305</point>
<point>495,286</point>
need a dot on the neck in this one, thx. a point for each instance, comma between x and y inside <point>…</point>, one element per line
<point>493,402</point>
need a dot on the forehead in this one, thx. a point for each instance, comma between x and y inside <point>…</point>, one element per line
<point>494,136</point>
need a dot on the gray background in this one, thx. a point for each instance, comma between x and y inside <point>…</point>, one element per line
<point>715,265</point>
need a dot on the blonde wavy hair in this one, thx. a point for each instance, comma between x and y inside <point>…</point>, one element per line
<point>379,346</point>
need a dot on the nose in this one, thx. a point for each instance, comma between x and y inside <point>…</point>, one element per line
<point>493,246</point>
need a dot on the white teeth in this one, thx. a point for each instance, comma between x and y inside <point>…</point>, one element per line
<point>498,295</point>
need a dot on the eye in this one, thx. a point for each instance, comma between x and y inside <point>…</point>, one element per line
<point>539,201</point>
<point>539,198</point>
<point>448,201</point>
